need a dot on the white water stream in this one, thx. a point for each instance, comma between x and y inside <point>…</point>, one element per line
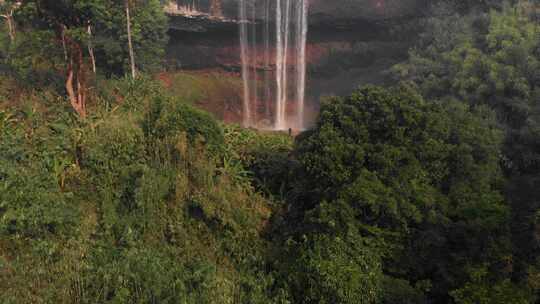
<point>273,62</point>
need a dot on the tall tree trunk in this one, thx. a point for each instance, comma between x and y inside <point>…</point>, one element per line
<point>81,83</point>
<point>91,48</point>
<point>64,43</point>
<point>130,43</point>
<point>75,73</point>
<point>69,85</point>
<point>11,25</point>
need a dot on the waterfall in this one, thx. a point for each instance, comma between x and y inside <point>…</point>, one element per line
<point>244,54</point>
<point>301,28</point>
<point>277,56</point>
<point>188,7</point>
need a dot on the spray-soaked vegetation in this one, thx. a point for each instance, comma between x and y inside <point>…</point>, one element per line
<point>119,190</point>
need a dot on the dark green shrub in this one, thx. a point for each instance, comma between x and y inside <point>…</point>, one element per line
<point>420,176</point>
<point>33,169</point>
<point>266,156</point>
<point>32,204</point>
<point>166,119</point>
<point>145,275</point>
<point>399,291</point>
<point>131,94</point>
<point>329,270</point>
<point>114,154</point>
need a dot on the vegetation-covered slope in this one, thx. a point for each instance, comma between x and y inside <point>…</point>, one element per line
<point>140,204</point>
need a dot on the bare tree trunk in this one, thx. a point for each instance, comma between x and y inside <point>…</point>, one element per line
<point>64,44</point>
<point>91,49</point>
<point>81,83</point>
<point>130,43</point>
<point>11,25</point>
<point>75,72</point>
<point>69,85</point>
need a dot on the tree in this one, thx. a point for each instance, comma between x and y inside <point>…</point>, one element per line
<point>148,27</point>
<point>327,269</point>
<point>417,176</point>
<point>493,60</point>
<point>70,22</point>
<point>90,35</point>
<point>91,48</point>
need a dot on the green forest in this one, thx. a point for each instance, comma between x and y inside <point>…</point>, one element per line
<point>115,188</point>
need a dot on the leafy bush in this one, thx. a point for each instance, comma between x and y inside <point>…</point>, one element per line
<point>114,154</point>
<point>129,94</point>
<point>266,156</point>
<point>32,204</point>
<point>145,276</point>
<point>167,118</point>
<point>34,164</point>
<point>480,291</point>
<point>327,269</point>
<point>399,291</point>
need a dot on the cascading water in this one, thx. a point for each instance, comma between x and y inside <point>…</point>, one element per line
<point>273,62</point>
<point>188,7</point>
<point>194,8</point>
<point>302,29</point>
<point>245,56</point>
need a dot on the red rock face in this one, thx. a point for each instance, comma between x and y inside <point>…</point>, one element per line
<point>228,56</point>
<point>329,9</point>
